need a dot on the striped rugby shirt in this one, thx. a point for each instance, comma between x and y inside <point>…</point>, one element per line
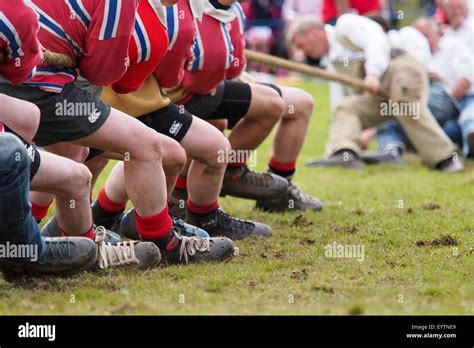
<point>96,32</point>
<point>18,41</point>
<point>214,54</point>
<point>147,46</point>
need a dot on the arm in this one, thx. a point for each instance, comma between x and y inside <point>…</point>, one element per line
<point>460,88</point>
<point>24,51</point>
<point>105,58</point>
<point>370,38</point>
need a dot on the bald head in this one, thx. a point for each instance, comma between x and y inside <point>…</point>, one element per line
<point>457,11</point>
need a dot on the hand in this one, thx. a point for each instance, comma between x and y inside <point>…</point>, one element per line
<point>373,82</point>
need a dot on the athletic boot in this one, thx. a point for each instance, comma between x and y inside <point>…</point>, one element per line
<point>102,218</point>
<point>177,205</point>
<point>343,158</point>
<point>218,223</point>
<point>52,229</point>
<point>144,254</point>
<point>128,227</point>
<point>62,256</point>
<point>293,199</point>
<point>244,183</point>
<point>179,249</point>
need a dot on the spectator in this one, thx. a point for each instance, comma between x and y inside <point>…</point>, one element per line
<point>460,21</point>
<point>395,79</point>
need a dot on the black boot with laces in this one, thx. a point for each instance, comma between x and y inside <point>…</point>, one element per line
<point>218,223</point>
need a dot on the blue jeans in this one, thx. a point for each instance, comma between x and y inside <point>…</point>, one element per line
<point>444,109</point>
<point>466,121</point>
<point>17,225</point>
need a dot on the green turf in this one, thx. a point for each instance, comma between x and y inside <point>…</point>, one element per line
<point>415,225</point>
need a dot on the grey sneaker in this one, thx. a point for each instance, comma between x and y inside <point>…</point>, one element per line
<point>390,154</point>
<point>244,183</point>
<point>344,159</point>
<point>219,223</point>
<point>52,229</point>
<point>144,254</point>
<point>293,199</point>
<point>63,256</point>
<point>178,249</point>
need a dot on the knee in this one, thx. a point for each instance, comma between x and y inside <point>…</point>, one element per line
<point>344,108</point>
<point>177,157</point>
<point>217,158</point>
<point>79,180</point>
<point>305,105</point>
<point>275,105</point>
<point>150,148</point>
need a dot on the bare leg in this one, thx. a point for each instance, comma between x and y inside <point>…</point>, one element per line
<point>73,152</point>
<point>142,151</point>
<point>292,129</point>
<point>265,111</point>
<point>96,166</point>
<point>70,182</point>
<point>208,166</point>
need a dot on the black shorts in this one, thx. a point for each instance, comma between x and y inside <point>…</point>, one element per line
<point>230,101</point>
<point>172,121</point>
<point>67,116</point>
<point>32,152</point>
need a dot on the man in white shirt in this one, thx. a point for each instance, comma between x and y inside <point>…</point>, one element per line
<point>460,21</point>
<point>451,99</point>
<point>398,84</point>
<point>461,27</point>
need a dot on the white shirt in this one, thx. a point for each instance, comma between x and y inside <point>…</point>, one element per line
<point>465,32</point>
<point>411,41</point>
<point>453,61</point>
<point>366,35</point>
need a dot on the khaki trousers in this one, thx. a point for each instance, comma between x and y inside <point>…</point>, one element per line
<point>404,88</point>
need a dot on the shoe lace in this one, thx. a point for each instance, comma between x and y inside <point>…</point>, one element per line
<point>191,245</point>
<point>226,220</point>
<point>300,195</point>
<point>58,249</point>
<point>257,179</point>
<point>112,255</point>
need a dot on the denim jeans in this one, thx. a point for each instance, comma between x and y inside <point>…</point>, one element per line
<point>444,109</point>
<point>466,120</point>
<point>17,225</point>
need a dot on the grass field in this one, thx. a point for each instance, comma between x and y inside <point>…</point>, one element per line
<point>416,227</point>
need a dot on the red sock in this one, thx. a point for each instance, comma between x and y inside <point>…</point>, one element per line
<point>89,234</point>
<point>202,209</point>
<point>181,183</point>
<point>39,212</point>
<point>286,170</point>
<point>154,227</point>
<point>109,206</point>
